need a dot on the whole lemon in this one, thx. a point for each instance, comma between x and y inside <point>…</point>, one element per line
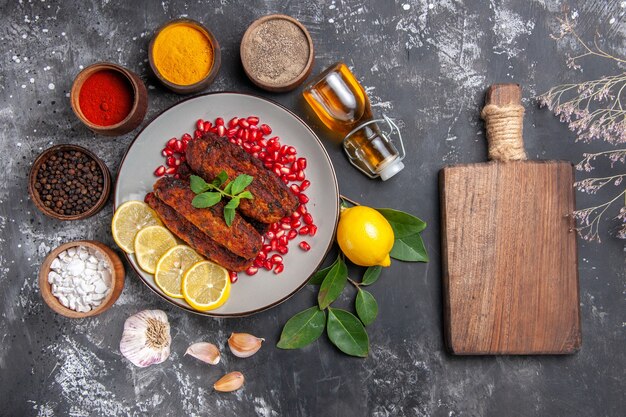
<point>365,236</point>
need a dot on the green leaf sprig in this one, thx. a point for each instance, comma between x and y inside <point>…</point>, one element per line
<point>209,194</point>
<point>345,330</point>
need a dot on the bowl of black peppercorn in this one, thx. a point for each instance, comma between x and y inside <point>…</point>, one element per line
<point>69,182</point>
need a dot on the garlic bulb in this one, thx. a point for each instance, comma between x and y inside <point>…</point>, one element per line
<point>146,338</point>
<point>229,382</point>
<point>206,352</point>
<point>244,345</point>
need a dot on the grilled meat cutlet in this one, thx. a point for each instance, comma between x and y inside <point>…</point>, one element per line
<point>195,238</point>
<point>240,238</point>
<point>209,155</point>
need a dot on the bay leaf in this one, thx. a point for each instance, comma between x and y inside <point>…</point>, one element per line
<point>403,224</point>
<point>333,284</point>
<point>347,332</point>
<point>303,329</point>
<point>409,249</point>
<point>366,307</point>
<point>371,275</point>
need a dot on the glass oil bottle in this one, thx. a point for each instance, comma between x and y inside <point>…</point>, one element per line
<point>343,106</point>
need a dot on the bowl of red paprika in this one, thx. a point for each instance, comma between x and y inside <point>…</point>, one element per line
<point>109,99</point>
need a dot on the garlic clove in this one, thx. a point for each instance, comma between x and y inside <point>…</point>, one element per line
<point>244,345</point>
<point>146,339</point>
<point>206,352</point>
<point>229,382</point>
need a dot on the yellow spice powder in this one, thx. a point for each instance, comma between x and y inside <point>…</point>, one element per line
<point>182,54</point>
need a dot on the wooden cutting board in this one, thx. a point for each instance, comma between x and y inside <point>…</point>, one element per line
<point>509,259</point>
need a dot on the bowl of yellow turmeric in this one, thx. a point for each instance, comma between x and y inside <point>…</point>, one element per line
<point>184,55</point>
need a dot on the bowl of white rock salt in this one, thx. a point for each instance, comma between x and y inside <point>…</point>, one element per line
<point>81,279</point>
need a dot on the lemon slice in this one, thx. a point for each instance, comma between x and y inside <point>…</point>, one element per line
<point>130,218</point>
<point>150,244</point>
<point>206,286</point>
<point>171,267</point>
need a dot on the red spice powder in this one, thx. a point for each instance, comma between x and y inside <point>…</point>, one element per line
<point>106,98</point>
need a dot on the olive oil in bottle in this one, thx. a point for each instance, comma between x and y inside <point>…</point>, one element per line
<point>343,106</point>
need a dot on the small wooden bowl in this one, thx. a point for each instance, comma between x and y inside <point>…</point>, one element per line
<point>291,84</point>
<point>117,277</point>
<point>34,194</point>
<point>137,111</point>
<point>204,83</point>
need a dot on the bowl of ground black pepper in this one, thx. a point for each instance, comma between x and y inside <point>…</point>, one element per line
<point>69,182</point>
<point>109,99</point>
<point>277,53</point>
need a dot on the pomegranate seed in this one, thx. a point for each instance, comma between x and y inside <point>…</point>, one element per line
<point>252,270</point>
<point>280,233</point>
<point>285,226</point>
<point>283,240</point>
<point>267,265</point>
<point>279,268</point>
<point>283,250</point>
<point>266,249</point>
<point>304,230</point>
<point>262,143</point>
<point>291,150</point>
<point>308,219</point>
<point>233,276</point>
<point>270,235</point>
<point>300,176</point>
<point>253,120</point>
<point>292,234</point>
<point>244,123</point>
<point>305,184</point>
<point>291,177</point>
<point>177,162</point>
<point>276,259</point>
<point>233,122</point>
<point>221,130</point>
<point>186,137</point>
<point>274,244</point>
<point>254,134</point>
<point>177,176</point>
<point>197,134</point>
<point>170,171</point>
<point>261,256</point>
<point>295,224</point>
<point>258,263</point>
<point>266,129</point>
<point>274,227</point>
<point>303,198</point>
<point>295,167</point>
<point>159,171</point>
<point>170,161</point>
<point>284,170</point>
<point>296,215</point>
<point>178,146</point>
<point>200,124</point>
<point>167,152</point>
<point>219,122</point>
<point>255,148</point>
<point>302,163</point>
<point>291,158</point>
<point>171,143</point>
<point>262,155</point>
<point>312,230</point>
<point>183,158</point>
<point>207,126</point>
<point>305,246</point>
<point>295,188</point>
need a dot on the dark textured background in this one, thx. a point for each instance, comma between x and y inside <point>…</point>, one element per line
<point>427,65</point>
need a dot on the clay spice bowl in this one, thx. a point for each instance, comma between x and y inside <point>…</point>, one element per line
<point>277,53</point>
<point>185,56</point>
<point>109,99</point>
<point>115,286</point>
<point>54,194</point>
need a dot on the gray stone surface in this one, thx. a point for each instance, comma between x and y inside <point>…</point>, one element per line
<point>425,63</point>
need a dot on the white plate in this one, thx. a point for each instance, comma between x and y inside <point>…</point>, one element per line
<point>264,290</point>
